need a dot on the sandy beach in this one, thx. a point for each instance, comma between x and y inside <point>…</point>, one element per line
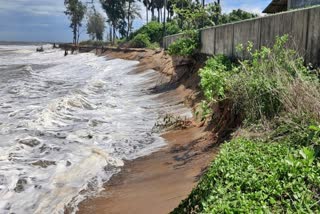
<point>157,183</point>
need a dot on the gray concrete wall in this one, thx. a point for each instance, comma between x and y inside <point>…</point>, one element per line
<point>292,23</point>
<point>313,37</point>
<point>243,33</point>
<point>224,40</point>
<point>208,41</point>
<point>168,40</point>
<point>302,26</point>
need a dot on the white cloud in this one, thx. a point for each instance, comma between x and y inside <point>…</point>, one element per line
<point>34,7</point>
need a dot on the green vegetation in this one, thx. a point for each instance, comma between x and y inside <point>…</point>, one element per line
<point>214,77</point>
<point>132,12</point>
<point>95,43</point>
<point>236,15</point>
<point>140,41</point>
<point>154,31</point>
<point>96,25</point>
<point>185,46</point>
<point>75,10</point>
<point>167,18</point>
<point>268,84</point>
<point>195,16</point>
<point>273,164</point>
<point>258,177</point>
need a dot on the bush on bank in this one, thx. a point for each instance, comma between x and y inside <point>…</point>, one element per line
<point>154,31</point>
<point>143,41</point>
<point>273,166</point>
<point>272,83</point>
<point>140,41</point>
<point>185,46</point>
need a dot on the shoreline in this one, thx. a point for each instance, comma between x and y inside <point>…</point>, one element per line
<point>158,181</point>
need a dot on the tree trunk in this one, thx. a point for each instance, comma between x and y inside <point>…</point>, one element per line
<point>147,13</point>
<point>74,34</point>
<point>152,13</point>
<point>110,33</point>
<point>128,18</point>
<point>114,35</point>
<point>78,37</point>
<point>164,18</point>
<point>164,15</point>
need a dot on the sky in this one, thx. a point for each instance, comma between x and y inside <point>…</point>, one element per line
<point>44,20</point>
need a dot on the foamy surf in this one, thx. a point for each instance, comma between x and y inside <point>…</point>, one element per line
<point>67,124</point>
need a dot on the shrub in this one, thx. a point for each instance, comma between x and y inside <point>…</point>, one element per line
<point>172,28</point>
<point>120,42</point>
<point>214,77</point>
<point>273,82</point>
<point>185,46</point>
<point>153,30</point>
<point>140,41</point>
<point>258,177</point>
<point>298,131</point>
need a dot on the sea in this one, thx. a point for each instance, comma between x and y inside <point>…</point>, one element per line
<point>67,124</point>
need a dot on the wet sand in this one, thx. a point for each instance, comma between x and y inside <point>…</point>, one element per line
<point>156,183</point>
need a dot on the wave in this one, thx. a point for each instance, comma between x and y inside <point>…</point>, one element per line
<point>67,124</point>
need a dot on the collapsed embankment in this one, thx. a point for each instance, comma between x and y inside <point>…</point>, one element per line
<point>272,165</point>
<point>160,181</point>
<point>183,76</point>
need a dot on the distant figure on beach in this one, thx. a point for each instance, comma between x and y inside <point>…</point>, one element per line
<point>65,53</point>
<point>54,45</point>
<point>72,50</point>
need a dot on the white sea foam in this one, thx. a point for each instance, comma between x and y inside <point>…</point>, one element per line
<point>66,125</point>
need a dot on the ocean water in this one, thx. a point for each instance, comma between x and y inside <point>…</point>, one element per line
<point>67,124</point>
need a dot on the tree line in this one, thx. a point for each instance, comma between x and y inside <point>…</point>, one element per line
<point>186,14</point>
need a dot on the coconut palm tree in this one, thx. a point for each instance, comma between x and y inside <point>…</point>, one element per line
<point>146,3</point>
<point>115,12</point>
<point>159,5</point>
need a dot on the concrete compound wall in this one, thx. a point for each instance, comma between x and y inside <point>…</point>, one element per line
<point>302,26</point>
